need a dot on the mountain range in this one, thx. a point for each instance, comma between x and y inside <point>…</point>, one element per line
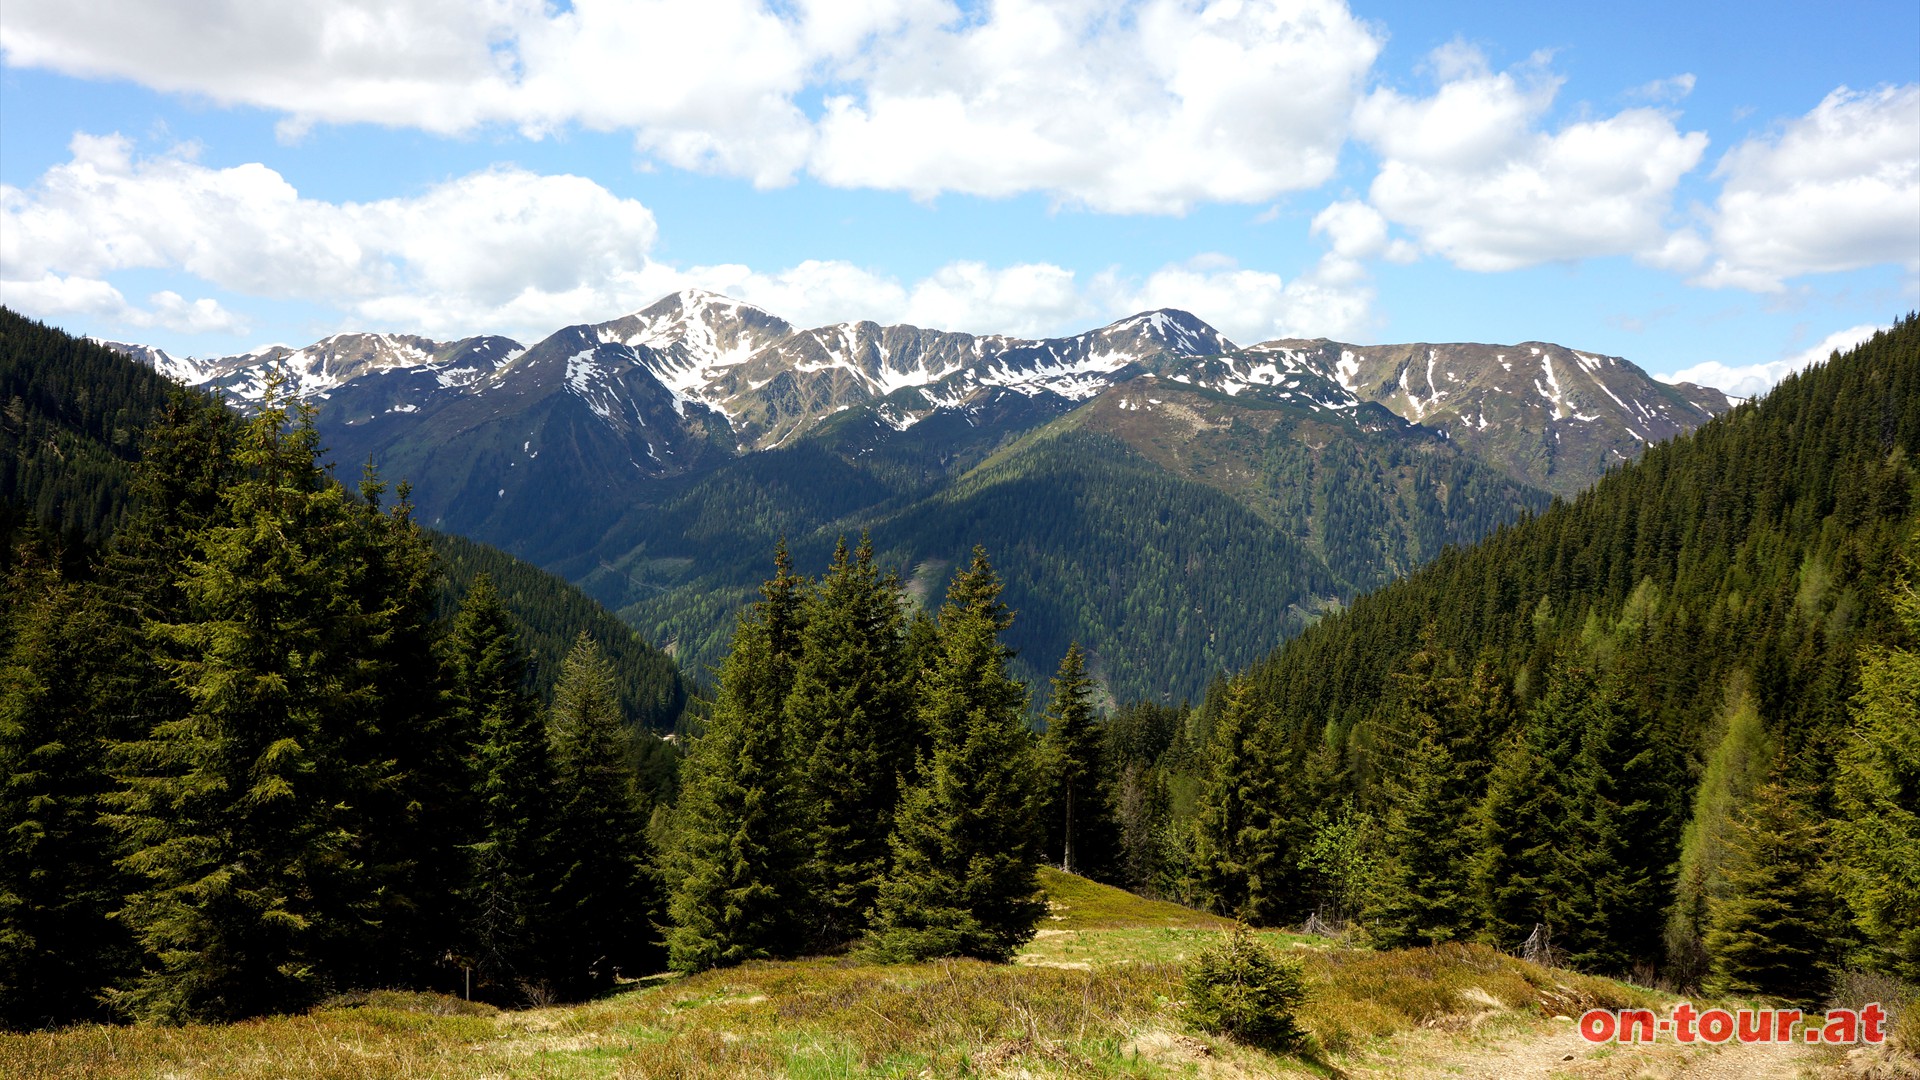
<point>1176,502</point>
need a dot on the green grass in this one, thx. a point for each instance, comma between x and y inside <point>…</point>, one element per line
<point>1112,1014</point>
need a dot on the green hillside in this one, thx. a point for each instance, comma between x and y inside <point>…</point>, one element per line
<point>71,431</point>
<point>1637,720</point>
<point>1173,542</point>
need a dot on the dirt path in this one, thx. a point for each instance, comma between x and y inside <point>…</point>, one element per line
<point>1559,1053</point>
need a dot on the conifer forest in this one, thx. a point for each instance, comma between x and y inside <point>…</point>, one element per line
<point>265,738</point>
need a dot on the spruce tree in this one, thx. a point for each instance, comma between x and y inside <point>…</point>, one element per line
<point>512,784</point>
<point>1079,819</point>
<point>601,896</point>
<point>58,883</point>
<point>966,842</point>
<point>240,814</point>
<point>849,709</point>
<point>1424,889</point>
<point>740,850</point>
<point>1238,852</point>
<point>1422,893</point>
<point>1773,932</point>
<point>1877,833</point>
<point>417,810</point>
<point>1620,845</point>
<point>1520,875</point>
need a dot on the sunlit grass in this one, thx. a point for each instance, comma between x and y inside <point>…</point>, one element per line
<point>1111,1013</point>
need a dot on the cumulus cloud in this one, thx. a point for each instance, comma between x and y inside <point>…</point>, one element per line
<point>52,296</point>
<point>508,251</point>
<point>500,250</point>
<point>1473,174</point>
<point>1147,106</point>
<point>1752,380</point>
<point>1836,189</point>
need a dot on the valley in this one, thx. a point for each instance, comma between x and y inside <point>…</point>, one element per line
<point>655,458</point>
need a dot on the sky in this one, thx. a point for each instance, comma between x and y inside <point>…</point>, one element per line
<point>1720,192</point>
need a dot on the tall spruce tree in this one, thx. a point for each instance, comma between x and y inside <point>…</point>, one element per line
<point>1520,875</point>
<point>512,786</point>
<point>740,849</point>
<point>966,839</point>
<point>1621,841</point>
<point>849,708</point>
<point>240,814</point>
<point>416,811</point>
<point>1423,896</point>
<point>1238,853</point>
<point>58,883</point>
<point>602,896</point>
<point>1774,931</point>
<point>1080,824</point>
<point>1877,834</point>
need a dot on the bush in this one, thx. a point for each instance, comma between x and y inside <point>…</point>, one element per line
<point>1245,991</point>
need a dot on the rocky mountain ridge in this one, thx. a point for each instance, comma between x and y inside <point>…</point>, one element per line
<point>1552,416</point>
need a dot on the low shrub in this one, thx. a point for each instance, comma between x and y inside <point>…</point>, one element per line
<point>1246,991</point>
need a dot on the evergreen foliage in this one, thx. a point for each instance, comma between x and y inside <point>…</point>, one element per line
<point>849,712</point>
<point>243,731</point>
<point>1238,855</point>
<point>1073,766</point>
<point>59,885</point>
<point>1636,650</point>
<point>602,899</point>
<point>1877,833</point>
<point>512,787</point>
<point>1244,991</point>
<point>246,815</point>
<point>71,416</point>
<point>552,615</point>
<point>966,842</point>
<point>737,870</point>
<point>1773,932</point>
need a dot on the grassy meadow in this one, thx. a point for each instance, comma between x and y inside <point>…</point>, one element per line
<point>1096,995</point>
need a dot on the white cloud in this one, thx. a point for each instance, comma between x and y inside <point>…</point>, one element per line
<point>1470,171</point>
<point>502,250</point>
<point>1752,380</point>
<point>1151,107</point>
<point>52,296</point>
<point>1251,306</point>
<point>512,252</point>
<point>1147,106</point>
<point>1836,189</point>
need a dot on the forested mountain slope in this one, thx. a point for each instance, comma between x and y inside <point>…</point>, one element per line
<point>1174,531</point>
<point>71,430</point>
<point>1632,722</point>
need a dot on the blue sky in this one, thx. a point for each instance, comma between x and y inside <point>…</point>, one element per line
<point>1719,191</point>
